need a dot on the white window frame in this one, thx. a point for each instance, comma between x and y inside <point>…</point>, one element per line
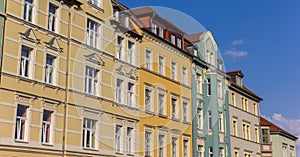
<point>186,147</point>
<point>148,59</point>
<point>93,33</point>
<point>179,43</point>
<point>97,3</point>
<point>184,75</point>
<point>174,70</point>
<point>174,146</point>
<point>199,83</point>
<point>25,126</point>
<point>185,111</point>
<point>221,151</point>
<point>210,152</point>
<point>92,79</point>
<point>161,32</point>
<point>200,118</point>
<point>235,127</point>
<point>85,129</point>
<point>220,89</point>
<point>118,138</point>
<point>148,145</point>
<point>26,62</point>
<point>28,11</point>
<point>129,140</point>
<point>53,18</point>
<point>130,94</point>
<point>173,39</point>
<point>47,128</point>
<point>161,64</point>
<point>50,70</point>
<point>148,103</point>
<point>161,103</point>
<point>209,118</point>
<point>221,122</point>
<point>119,90</point>
<point>120,47</point>
<point>200,151</point>
<point>162,150</point>
<point>174,107</point>
<point>131,52</point>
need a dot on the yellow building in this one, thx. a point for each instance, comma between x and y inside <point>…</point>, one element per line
<point>82,78</point>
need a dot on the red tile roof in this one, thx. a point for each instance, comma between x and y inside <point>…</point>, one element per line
<point>276,129</point>
<point>194,37</point>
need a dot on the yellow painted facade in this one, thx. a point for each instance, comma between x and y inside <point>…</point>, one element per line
<point>105,111</point>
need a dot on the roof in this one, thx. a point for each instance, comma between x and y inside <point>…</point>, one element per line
<point>276,129</point>
<point>194,37</point>
<point>122,6</point>
<point>238,72</point>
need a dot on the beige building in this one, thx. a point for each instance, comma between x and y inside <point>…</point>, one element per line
<point>244,118</point>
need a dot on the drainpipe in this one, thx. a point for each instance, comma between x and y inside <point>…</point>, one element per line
<point>2,15</point>
<point>194,112</point>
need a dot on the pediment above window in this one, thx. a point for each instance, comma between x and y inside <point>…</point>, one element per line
<point>53,44</point>
<point>94,58</point>
<point>29,35</point>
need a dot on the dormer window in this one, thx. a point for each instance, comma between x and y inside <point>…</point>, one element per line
<point>173,39</point>
<point>179,44</point>
<point>126,21</point>
<point>117,15</point>
<point>154,28</point>
<point>161,32</point>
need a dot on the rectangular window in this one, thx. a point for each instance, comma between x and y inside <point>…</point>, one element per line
<point>255,109</point>
<point>265,136</point>
<point>92,33</point>
<point>148,144</point>
<point>148,99</point>
<point>148,59</point>
<point>292,151</point>
<point>161,103</point>
<point>174,104</point>
<point>185,148</point>
<point>28,10</point>
<point>209,120</point>
<point>243,103</point>
<point>91,80</point>
<point>221,122</point>
<point>120,47</point>
<point>21,123</point>
<point>236,153</point>
<point>173,68</point>
<point>233,99</point>
<point>173,39</point>
<point>221,150</point>
<point>246,131</point>
<point>208,87</point>
<point>129,140</point>
<point>220,90</point>
<point>234,123</point>
<point>185,112</point>
<point>49,69</point>
<point>246,105</point>
<point>210,152</point>
<point>130,52</point>
<point>25,61</point>
<point>200,151</point>
<point>284,150</point>
<point>200,118</point>
<point>119,91</point>
<point>161,143</point>
<point>161,65</point>
<point>47,127</point>
<point>52,17</point>
<point>174,146</point>
<point>95,2</point>
<point>154,27</point>
<point>256,134</point>
<point>199,83</point>
<point>179,42</point>
<point>184,75</point>
<point>126,21</point>
<point>89,133</point>
<point>130,94</point>
<point>161,32</point>
<point>118,138</point>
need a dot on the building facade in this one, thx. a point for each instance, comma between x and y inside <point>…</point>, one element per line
<point>210,104</point>
<point>2,24</point>
<point>276,142</point>
<point>244,118</point>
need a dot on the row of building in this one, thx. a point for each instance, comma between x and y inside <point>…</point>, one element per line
<point>93,78</point>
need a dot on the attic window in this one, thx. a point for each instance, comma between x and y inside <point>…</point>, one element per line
<point>154,28</point>
<point>173,39</point>
<point>126,21</point>
<point>179,44</point>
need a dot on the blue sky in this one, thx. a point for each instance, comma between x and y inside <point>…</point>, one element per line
<point>260,37</point>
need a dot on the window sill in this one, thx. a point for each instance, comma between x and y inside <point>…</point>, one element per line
<point>185,122</point>
<point>119,153</point>
<point>21,141</point>
<point>89,149</point>
<point>130,154</point>
<point>176,119</point>
<point>91,95</point>
<point>96,7</point>
<point>47,144</point>
<point>149,112</point>
<point>162,116</point>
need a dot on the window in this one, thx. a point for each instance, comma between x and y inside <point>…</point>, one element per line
<point>148,144</point>
<point>118,138</point>
<point>129,140</point>
<point>28,10</point>
<point>179,42</point>
<point>234,123</point>
<point>95,2</point>
<point>130,94</point>
<point>292,151</point>
<point>161,102</point>
<point>246,131</point>
<point>221,151</point>
<point>52,17</point>
<point>256,134</point>
<point>173,39</point>
<point>174,145</point>
<point>174,73</point>
<point>246,154</point>
<point>184,75</point>
<point>130,52</point>
<point>154,27</point>
<point>25,61</point>
<point>209,120</point>
<point>161,143</point>
<point>200,151</point>
<point>92,33</point>
<point>119,91</point>
<point>200,118</point>
<point>161,65</point>
<point>126,21</point>
<point>265,136</point>
<point>47,127</point>
<point>221,122</point>
<point>220,90</point>
<point>117,15</point>
<point>91,80</point>
<point>246,105</point>
<point>21,123</point>
<point>236,153</point>
<point>119,47</point>
<point>233,100</point>
<point>49,71</point>
<point>210,152</point>
<point>185,112</point>
<point>148,99</point>
<point>174,104</point>
<point>185,148</point>
<point>284,150</point>
<point>208,87</point>
<point>161,32</point>
<point>148,59</point>
<point>255,109</point>
<point>89,133</point>
<point>199,83</point>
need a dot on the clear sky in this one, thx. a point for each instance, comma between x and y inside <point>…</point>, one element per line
<point>259,37</point>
